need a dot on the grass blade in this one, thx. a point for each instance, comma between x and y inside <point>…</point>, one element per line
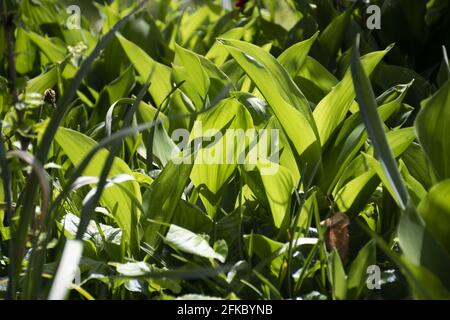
<point>374,126</point>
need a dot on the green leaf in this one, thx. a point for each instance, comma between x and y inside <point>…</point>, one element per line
<point>417,164</point>
<point>218,54</point>
<point>157,73</point>
<point>76,145</point>
<point>398,140</point>
<point>313,71</point>
<point>188,68</point>
<point>35,13</point>
<point>189,242</point>
<point>284,97</point>
<point>216,162</point>
<point>331,111</point>
<point>43,82</point>
<point>350,139</point>
<point>353,196</point>
<point>266,249</point>
<point>358,270</point>
<point>161,200</point>
<point>293,58</point>
<point>163,146</point>
<point>100,234</point>
<point>432,125</point>
<point>337,276</point>
<point>278,187</point>
<point>415,188</point>
<point>54,52</point>
<point>189,216</point>
<point>133,269</point>
<point>25,52</point>
<point>121,86</point>
<point>424,284</point>
<point>435,210</point>
<point>372,121</point>
<point>417,243</point>
<point>332,37</point>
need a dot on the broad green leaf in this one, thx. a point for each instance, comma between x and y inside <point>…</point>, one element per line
<point>398,140</point>
<point>285,99</point>
<point>191,22</point>
<point>76,145</point>
<point>226,228</point>
<point>189,216</point>
<point>142,30</point>
<point>415,188</point>
<point>257,107</point>
<point>306,214</point>
<point>331,111</point>
<point>286,155</point>
<point>147,113</point>
<point>117,89</point>
<point>157,73</point>
<point>388,75</point>
<point>133,269</point>
<point>35,13</point>
<point>313,71</point>
<point>189,242</point>
<point>331,38</point>
<point>188,68</point>
<point>278,187</point>
<point>266,249</point>
<point>337,276</point>
<point>100,234</point>
<point>432,125</point>
<point>435,210</point>
<point>358,270</point>
<point>162,198</point>
<point>163,146</point>
<point>55,53</point>
<point>272,252</point>
<point>293,58</point>
<point>121,86</point>
<point>424,284</point>
<point>25,52</point>
<point>354,194</point>
<point>43,82</point>
<point>218,54</point>
<point>224,130</point>
<point>421,247</point>
<point>417,163</point>
<point>350,139</point>
<point>202,79</point>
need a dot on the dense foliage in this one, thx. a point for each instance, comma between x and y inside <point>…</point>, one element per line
<point>91,105</point>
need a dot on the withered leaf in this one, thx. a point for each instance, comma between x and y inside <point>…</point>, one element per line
<point>337,234</point>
